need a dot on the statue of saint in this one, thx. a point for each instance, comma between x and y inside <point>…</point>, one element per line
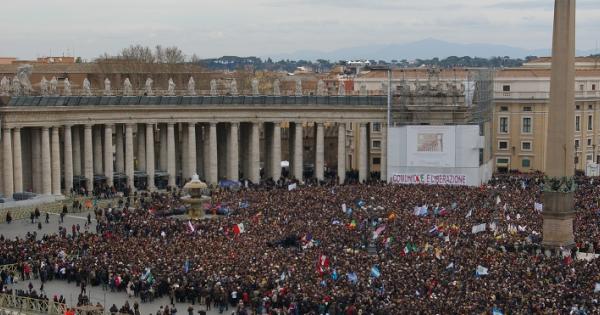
<point>192,87</point>
<point>255,91</point>
<point>148,87</point>
<point>276,90</point>
<point>233,88</point>
<point>298,87</point>
<point>341,88</point>
<point>44,87</point>
<point>87,87</point>
<point>213,88</point>
<point>16,86</point>
<point>321,88</point>
<point>171,88</point>
<point>53,87</point>
<point>4,87</point>
<point>127,87</point>
<point>67,87</point>
<point>107,91</point>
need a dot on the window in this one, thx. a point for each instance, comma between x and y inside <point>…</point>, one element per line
<point>349,126</point>
<point>502,161</point>
<point>376,161</point>
<point>506,88</point>
<point>526,128</point>
<point>577,107</point>
<point>593,87</point>
<point>590,124</point>
<point>376,144</point>
<point>504,108</point>
<point>588,157</point>
<point>526,108</point>
<point>526,146</point>
<point>376,127</point>
<point>589,142</point>
<point>577,123</point>
<point>503,124</point>
<point>581,86</point>
<point>526,163</point>
<point>577,144</point>
<point>502,145</point>
<point>590,107</point>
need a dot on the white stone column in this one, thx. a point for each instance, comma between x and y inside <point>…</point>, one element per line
<point>46,162</point>
<point>56,174</point>
<point>384,149</point>
<point>341,165</point>
<point>141,147</point>
<point>162,160</point>
<point>254,151</point>
<point>88,158</point>
<point>1,167</point>
<point>212,176</point>
<point>362,153</point>
<point>76,131</point>
<point>68,159</point>
<point>7,162</point>
<point>319,151</point>
<point>171,154</point>
<point>233,151</point>
<point>17,160</point>
<point>276,151</point>
<point>191,150</point>
<point>129,156</point>
<point>185,158</point>
<point>150,164</point>
<point>36,159</point>
<point>97,133</point>
<point>108,155</point>
<point>120,149</point>
<point>298,163</point>
<point>206,150</point>
<point>199,152</point>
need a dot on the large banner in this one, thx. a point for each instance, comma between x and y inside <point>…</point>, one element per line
<point>431,146</point>
<point>430,179</point>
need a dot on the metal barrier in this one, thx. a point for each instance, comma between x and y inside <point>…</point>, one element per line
<point>29,305</point>
<point>10,269</point>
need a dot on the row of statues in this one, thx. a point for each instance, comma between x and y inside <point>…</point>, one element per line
<point>50,88</point>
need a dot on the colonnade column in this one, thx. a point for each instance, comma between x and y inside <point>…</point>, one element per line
<point>171,154</point>
<point>108,155</point>
<point>162,159</point>
<point>17,161</point>
<point>341,163</point>
<point>384,148</point>
<point>320,152</point>
<point>36,159</point>
<point>362,153</point>
<point>191,150</point>
<point>298,162</point>
<point>7,162</point>
<point>233,167</point>
<point>129,156</point>
<point>97,133</point>
<point>56,161</point>
<point>254,152</point>
<point>76,150</point>
<point>120,149</point>
<point>150,165</point>
<point>276,153</point>
<point>46,162</point>
<point>141,148</point>
<point>88,159</point>
<point>69,159</point>
<point>212,178</point>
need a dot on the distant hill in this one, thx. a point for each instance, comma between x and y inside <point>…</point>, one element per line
<point>423,49</point>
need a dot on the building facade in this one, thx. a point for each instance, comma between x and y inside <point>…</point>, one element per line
<point>521,98</point>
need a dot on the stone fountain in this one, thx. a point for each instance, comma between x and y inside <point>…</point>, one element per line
<point>198,195</point>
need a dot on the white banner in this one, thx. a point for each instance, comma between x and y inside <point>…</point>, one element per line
<point>430,179</point>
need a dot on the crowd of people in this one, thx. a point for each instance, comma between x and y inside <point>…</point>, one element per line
<point>352,249</point>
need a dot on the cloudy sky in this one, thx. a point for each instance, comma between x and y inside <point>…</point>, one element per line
<point>211,28</point>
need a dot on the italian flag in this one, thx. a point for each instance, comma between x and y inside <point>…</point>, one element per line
<point>239,228</point>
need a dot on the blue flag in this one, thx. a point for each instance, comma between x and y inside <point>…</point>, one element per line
<point>375,273</point>
<point>352,277</point>
<point>334,275</point>
<point>186,266</point>
<point>496,311</point>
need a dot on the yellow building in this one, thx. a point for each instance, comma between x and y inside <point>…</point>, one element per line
<point>521,97</point>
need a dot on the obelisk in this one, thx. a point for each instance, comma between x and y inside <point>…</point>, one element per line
<point>560,160</point>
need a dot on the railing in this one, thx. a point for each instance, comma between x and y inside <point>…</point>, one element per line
<point>29,305</point>
<point>541,95</point>
<point>73,101</point>
<point>10,269</point>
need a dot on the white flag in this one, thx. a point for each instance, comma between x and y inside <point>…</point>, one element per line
<point>292,186</point>
<point>481,271</point>
<point>498,201</point>
<point>597,288</point>
<point>478,228</point>
<point>344,208</point>
<point>538,207</point>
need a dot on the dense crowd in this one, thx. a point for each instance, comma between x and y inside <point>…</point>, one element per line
<point>356,249</point>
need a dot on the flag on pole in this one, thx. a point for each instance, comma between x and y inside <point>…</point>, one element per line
<point>292,186</point>
<point>597,287</point>
<point>352,277</point>
<point>191,227</point>
<point>239,228</point>
<point>375,273</point>
<point>538,207</point>
<point>498,201</point>
<point>481,271</point>
<point>378,232</point>
<point>478,228</point>
<point>186,266</point>
<point>469,214</point>
<point>496,311</point>
<point>344,208</point>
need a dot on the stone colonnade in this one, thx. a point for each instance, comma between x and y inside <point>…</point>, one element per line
<point>51,160</point>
